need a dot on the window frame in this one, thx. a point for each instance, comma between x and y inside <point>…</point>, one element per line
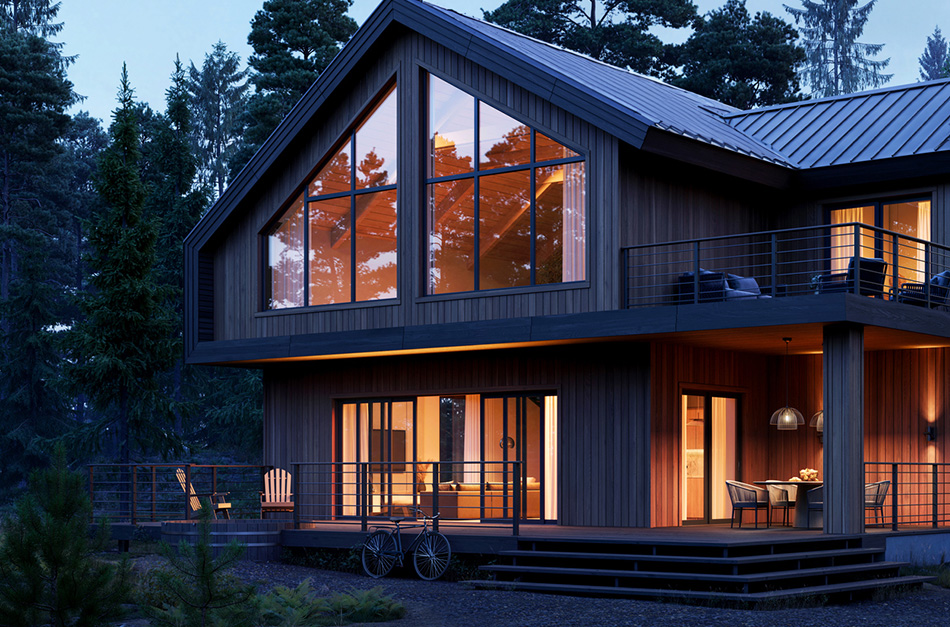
<point>532,166</point>
<point>346,138</point>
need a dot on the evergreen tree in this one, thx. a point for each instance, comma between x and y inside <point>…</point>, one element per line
<point>218,97</point>
<point>615,31</point>
<point>740,61</point>
<point>293,41</point>
<point>934,60</point>
<point>836,62</point>
<point>49,574</point>
<point>31,16</point>
<point>125,337</point>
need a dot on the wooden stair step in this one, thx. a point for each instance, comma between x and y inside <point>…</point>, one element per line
<point>689,559</point>
<point>738,579</point>
<point>686,595</point>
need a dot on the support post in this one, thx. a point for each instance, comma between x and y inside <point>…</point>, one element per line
<point>843,365</point>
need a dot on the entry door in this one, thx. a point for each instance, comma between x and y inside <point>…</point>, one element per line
<point>708,455</point>
<point>513,430</point>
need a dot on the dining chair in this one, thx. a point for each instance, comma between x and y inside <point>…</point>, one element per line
<point>816,501</point>
<point>781,497</point>
<point>874,495</point>
<point>745,496</point>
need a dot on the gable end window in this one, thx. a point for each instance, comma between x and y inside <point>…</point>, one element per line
<point>336,242</point>
<point>505,203</point>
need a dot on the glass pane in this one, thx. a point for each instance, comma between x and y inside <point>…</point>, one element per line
<point>451,224</point>
<point>285,259</point>
<point>722,451</point>
<point>546,149</point>
<point>451,129</point>
<point>376,245</point>
<point>560,239</point>
<point>330,251</point>
<point>913,220</point>
<point>504,219</point>
<point>842,239</point>
<point>694,464</point>
<point>334,177</point>
<point>376,145</point>
<point>502,140</point>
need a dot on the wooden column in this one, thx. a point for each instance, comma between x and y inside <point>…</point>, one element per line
<point>843,367</point>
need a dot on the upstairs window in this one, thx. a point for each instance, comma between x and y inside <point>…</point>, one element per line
<point>505,203</point>
<point>336,243</point>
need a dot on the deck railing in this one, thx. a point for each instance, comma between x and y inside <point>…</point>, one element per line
<point>138,493</point>
<point>787,262</point>
<point>482,493</point>
<point>918,495</point>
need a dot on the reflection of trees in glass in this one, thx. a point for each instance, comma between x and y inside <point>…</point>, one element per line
<point>287,260</point>
<point>330,251</point>
<point>446,159</point>
<point>513,149</point>
<point>376,246</point>
<point>335,175</point>
<point>370,172</point>
<point>504,243</point>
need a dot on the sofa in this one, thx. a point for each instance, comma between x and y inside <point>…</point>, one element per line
<point>466,500</point>
<point>717,286</point>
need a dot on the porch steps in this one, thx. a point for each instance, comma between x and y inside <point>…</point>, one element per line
<point>744,573</point>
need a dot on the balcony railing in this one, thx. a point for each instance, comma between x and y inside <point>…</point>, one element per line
<point>482,493</point>
<point>789,262</point>
<point>918,495</point>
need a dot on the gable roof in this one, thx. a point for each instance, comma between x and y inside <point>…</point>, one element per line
<point>893,122</point>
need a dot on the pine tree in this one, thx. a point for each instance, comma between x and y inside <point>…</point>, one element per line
<point>293,42</point>
<point>49,574</point>
<point>740,61</point>
<point>218,97</point>
<point>934,60</point>
<point>837,63</point>
<point>125,337</point>
<point>615,31</point>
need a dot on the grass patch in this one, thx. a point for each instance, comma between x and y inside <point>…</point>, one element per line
<point>940,571</point>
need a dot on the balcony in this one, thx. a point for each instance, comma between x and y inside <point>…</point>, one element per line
<point>850,257</point>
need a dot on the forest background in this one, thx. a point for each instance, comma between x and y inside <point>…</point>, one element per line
<point>92,217</point>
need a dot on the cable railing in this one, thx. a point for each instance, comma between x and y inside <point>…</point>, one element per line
<point>478,493</point>
<point>917,495</point>
<point>850,257</point>
<point>138,493</point>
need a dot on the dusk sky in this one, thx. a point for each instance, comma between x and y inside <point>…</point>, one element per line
<point>147,34</point>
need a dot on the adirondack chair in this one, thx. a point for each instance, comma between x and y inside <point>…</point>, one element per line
<point>216,499</point>
<point>276,496</point>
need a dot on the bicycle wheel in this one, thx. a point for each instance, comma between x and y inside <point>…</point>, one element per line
<point>379,554</point>
<point>431,555</point>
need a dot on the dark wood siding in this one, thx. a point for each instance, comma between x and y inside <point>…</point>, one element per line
<point>603,399</point>
<point>237,251</point>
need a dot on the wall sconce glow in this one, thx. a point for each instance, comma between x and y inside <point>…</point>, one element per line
<point>931,433</point>
<point>787,418</point>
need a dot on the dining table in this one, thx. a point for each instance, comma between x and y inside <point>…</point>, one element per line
<point>801,500</point>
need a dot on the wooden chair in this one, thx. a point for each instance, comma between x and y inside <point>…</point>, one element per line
<point>781,497</point>
<point>216,499</point>
<point>746,496</point>
<point>276,496</point>
<point>874,495</point>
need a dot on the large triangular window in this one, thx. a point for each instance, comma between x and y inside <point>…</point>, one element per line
<point>336,242</point>
<point>506,203</point>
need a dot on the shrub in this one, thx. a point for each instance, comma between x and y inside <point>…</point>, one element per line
<point>283,607</point>
<point>49,573</point>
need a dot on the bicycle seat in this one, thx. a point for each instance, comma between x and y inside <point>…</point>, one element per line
<point>397,520</point>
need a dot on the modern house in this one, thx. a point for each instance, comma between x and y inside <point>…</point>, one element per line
<point>469,248</point>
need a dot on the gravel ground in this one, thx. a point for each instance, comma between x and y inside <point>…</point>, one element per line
<point>442,604</point>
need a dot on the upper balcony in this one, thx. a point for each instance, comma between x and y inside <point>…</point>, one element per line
<point>840,258</point>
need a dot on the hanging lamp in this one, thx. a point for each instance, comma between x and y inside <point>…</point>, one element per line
<point>818,421</point>
<point>787,418</point>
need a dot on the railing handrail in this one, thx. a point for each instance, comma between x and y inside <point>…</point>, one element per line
<point>796,229</point>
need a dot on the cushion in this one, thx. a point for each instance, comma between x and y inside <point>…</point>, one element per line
<point>743,283</point>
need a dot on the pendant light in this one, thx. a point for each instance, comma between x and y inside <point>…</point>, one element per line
<point>818,421</point>
<point>787,418</point>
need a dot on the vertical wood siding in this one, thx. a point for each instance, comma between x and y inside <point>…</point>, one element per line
<point>603,399</point>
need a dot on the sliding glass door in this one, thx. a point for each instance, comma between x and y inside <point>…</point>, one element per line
<point>708,455</point>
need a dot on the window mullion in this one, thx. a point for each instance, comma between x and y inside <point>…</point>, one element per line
<point>353,218</point>
<point>476,199</point>
<point>532,174</point>
<point>306,253</point>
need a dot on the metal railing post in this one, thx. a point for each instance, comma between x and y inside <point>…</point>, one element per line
<point>435,495</point>
<point>295,491</point>
<point>933,495</point>
<point>894,266</point>
<point>135,490</point>
<point>696,272</point>
<point>187,496</point>
<point>154,492</point>
<point>92,493</point>
<point>364,497</point>
<point>856,288</point>
<point>894,494</point>
<point>516,509</point>
<point>774,278</point>
<point>214,480</point>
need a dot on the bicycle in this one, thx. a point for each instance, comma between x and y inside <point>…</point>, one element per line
<point>430,550</point>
